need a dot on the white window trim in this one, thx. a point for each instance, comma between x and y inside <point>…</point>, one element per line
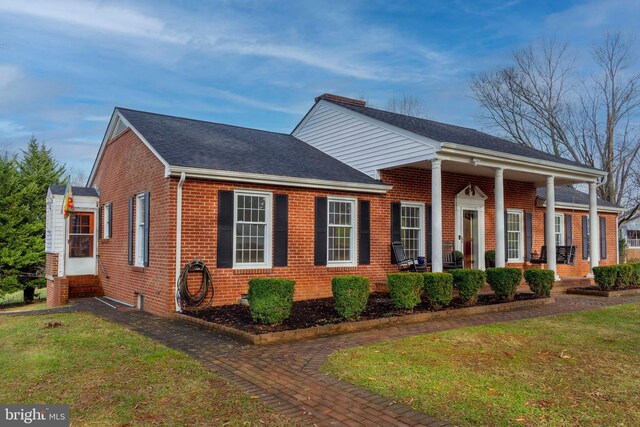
<point>519,212</point>
<point>106,225</point>
<point>353,262</point>
<point>423,230</point>
<point>562,234</point>
<point>139,240</point>
<point>268,249</point>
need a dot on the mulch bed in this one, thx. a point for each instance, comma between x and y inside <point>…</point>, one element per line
<point>319,312</point>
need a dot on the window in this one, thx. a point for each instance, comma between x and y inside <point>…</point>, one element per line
<point>558,229</point>
<point>341,232</point>
<point>412,229</point>
<point>81,235</point>
<point>106,221</point>
<point>140,233</point>
<point>514,236</point>
<point>633,238</point>
<point>252,230</point>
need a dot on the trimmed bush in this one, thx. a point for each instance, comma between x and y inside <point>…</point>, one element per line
<point>625,276</point>
<point>351,294</point>
<point>439,288</point>
<point>468,282</point>
<point>540,281</point>
<point>405,289</point>
<point>270,300</point>
<point>635,273</point>
<point>606,276</point>
<point>504,281</point>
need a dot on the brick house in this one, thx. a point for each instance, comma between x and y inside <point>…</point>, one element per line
<point>326,200</point>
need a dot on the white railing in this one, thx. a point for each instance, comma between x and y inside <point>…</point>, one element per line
<point>633,243</point>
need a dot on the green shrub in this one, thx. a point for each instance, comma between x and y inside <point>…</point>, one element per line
<point>439,288</point>
<point>625,276</point>
<point>270,300</point>
<point>9,284</point>
<point>635,276</point>
<point>606,276</point>
<point>351,294</point>
<point>504,281</point>
<point>540,281</point>
<point>468,282</point>
<point>405,289</point>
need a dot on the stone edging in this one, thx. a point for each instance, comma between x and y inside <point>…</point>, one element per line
<point>341,328</point>
<point>600,293</point>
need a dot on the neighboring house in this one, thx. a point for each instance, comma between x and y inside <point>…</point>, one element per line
<point>326,200</point>
<point>631,232</point>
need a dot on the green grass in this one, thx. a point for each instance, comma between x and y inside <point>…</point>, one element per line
<point>573,369</point>
<point>112,376</point>
<point>22,308</point>
<point>18,297</point>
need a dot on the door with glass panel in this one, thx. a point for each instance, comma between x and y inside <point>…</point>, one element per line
<point>81,244</point>
<point>470,238</point>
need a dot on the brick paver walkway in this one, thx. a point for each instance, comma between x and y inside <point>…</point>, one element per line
<point>287,376</point>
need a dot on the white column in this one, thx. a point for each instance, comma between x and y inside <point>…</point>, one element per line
<point>550,225</point>
<point>436,215</point>
<point>500,230</point>
<point>594,232</point>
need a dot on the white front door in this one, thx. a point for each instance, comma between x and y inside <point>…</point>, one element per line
<point>469,227</point>
<point>81,244</point>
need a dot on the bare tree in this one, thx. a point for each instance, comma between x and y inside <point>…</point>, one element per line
<point>408,105</point>
<point>537,101</point>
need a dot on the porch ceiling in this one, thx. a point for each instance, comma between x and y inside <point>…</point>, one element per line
<point>475,169</point>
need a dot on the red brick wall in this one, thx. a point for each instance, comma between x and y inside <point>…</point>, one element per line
<point>127,168</point>
<point>581,266</point>
<point>51,264</point>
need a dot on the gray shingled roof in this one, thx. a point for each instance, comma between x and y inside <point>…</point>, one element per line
<point>443,132</point>
<point>566,194</point>
<point>76,191</point>
<point>200,144</point>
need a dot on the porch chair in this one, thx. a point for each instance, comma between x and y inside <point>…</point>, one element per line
<point>565,255</point>
<point>450,260</point>
<point>405,263</point>
<point>542,259</point>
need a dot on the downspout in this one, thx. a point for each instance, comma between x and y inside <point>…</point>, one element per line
<point>183,177</point>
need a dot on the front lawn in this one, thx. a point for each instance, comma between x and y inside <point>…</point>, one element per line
<point>112,376</point>
<point>573,369</point>
<point>18,297</point>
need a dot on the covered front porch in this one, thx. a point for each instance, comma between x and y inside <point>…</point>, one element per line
<point>476,203</point>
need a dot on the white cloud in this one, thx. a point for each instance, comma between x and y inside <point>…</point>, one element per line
<point>10,129</point>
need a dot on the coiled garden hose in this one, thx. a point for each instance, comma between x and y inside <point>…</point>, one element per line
<point>189,300</point>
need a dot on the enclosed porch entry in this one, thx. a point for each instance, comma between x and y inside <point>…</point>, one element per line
<point>71,245</point>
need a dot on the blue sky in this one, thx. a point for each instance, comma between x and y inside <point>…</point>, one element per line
<point>65,64</point>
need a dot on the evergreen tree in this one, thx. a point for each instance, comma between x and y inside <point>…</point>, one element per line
<point>23,213</point>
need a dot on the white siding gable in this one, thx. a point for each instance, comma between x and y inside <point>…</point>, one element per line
<point>361,142</point>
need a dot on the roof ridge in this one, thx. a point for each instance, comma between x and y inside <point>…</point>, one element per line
<point>200,120</point>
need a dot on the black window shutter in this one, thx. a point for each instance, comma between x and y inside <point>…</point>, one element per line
<point>528,230</point>
<point>568,230</point>
<point>506,236</point>
<point>396,235</point>
<point>320,238</point>
<point>280,230</point>
<point>110,220</point>
<point>130,237</point>
<point>100,215</point>
<point>603,238</point>
<point>225,229</point>
<point>585,237</point>
<point>427,215</point>
<point>364,237</point>
<point>145,253</point>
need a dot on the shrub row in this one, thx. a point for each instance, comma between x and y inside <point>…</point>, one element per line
<point>621,276</point>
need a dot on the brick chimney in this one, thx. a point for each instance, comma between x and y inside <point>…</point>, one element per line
<point>342,99</point>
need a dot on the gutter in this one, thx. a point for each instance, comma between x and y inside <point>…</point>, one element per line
<point>288,181</point>
<point>183,177</point>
